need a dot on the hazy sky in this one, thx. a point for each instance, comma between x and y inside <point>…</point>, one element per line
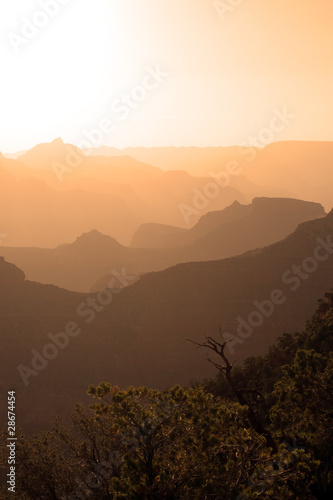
<point>228,68</point>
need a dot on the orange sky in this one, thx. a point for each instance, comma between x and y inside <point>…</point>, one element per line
<point>227,73</point>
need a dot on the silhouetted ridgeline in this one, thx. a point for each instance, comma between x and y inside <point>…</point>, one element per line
<point>87,263</point>
<point>139,336</point>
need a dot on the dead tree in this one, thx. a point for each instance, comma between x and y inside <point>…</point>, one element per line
<point>252,398</point>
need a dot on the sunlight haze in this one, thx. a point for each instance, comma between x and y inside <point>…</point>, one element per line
<point>220,90</point>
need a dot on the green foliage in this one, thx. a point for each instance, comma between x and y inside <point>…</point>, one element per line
<point>143,443</point>
<point>197,443</point>
<point>304,410</point>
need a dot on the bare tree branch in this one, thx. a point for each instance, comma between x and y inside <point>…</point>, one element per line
<point>243,395</point>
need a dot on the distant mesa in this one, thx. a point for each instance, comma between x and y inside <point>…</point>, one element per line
<point>119,193</point>
<point>96,240</point>
<point>87,263</point>
<point>283,212</point>
<point>42,155</point>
